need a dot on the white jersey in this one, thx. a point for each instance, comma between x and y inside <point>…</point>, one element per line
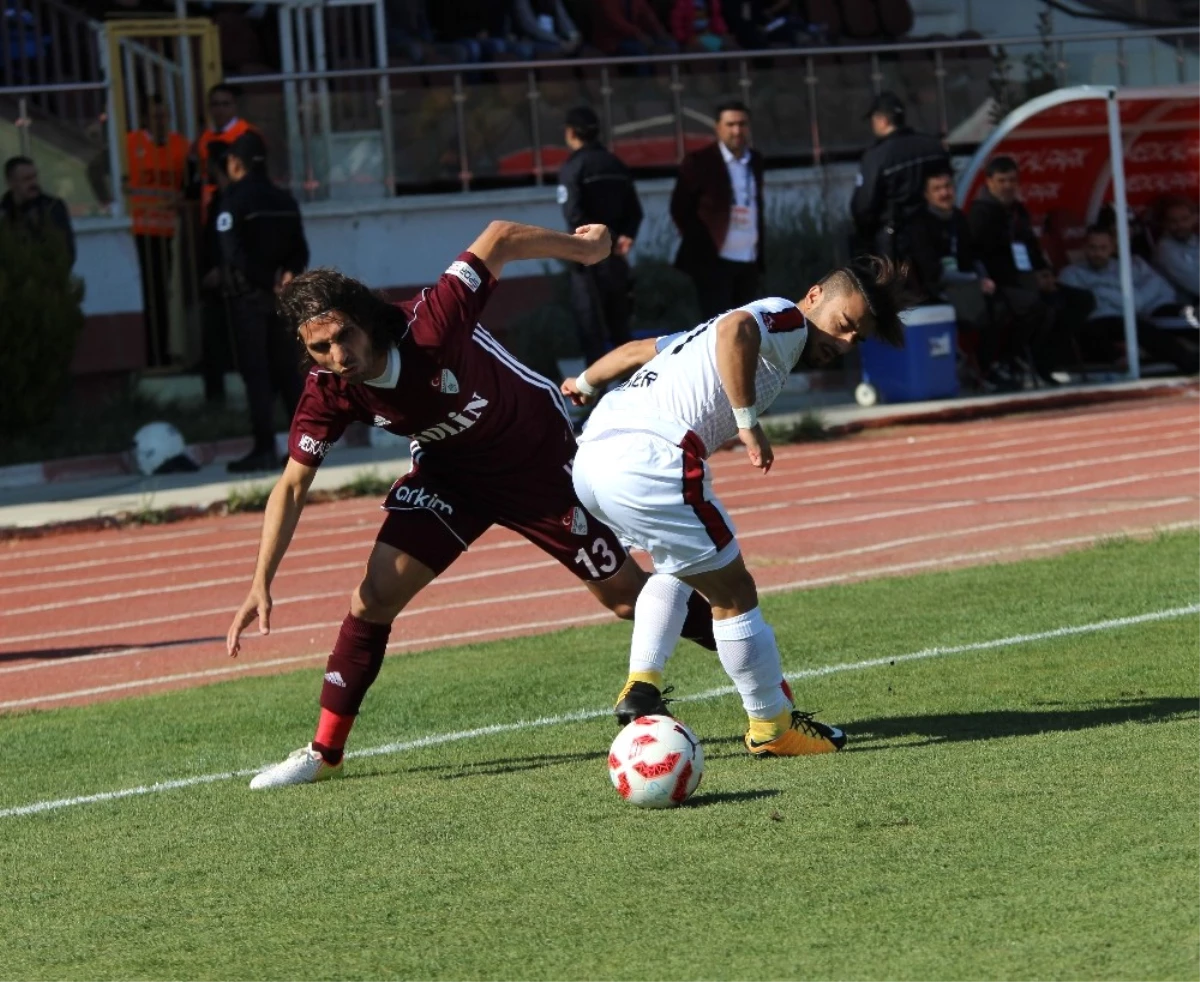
<point>680,391</point>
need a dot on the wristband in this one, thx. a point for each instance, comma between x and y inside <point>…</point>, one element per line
<point>746,418</point>
<point>584,386</point>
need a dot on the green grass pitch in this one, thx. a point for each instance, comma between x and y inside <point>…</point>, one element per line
<point>1020,811</point>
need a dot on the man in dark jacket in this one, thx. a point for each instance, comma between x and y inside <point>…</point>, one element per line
<point>595,188</point>
<point>717,205</point>
<point>891,179</point>
<point>262,247</point>
<point>25,206</point>
<point>1008,247</point>
<point>946,269</point>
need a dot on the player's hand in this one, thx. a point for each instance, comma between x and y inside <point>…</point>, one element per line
<point>758,447</point>
<point>988,286</point>
<point>624,244</point>
<point>571,391</point>
<point>598,243</point>
<point>257,604</point>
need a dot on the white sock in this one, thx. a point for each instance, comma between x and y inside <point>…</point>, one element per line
<point>749,655</point>
<point>657,622</point>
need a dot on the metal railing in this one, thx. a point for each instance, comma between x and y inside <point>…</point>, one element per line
<point>380,131</point>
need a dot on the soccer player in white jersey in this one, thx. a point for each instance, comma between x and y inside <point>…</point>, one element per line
<point>641,467</point>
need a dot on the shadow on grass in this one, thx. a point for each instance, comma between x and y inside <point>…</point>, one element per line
<point>730,797</point>
<point>66,654</point>
<point>508,765</point>
<point>994,724</point>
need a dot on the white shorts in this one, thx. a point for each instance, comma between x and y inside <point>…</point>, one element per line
<point>658,497</point>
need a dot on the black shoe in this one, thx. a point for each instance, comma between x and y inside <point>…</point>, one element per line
<point>257,460</point>
<point>641,699</point>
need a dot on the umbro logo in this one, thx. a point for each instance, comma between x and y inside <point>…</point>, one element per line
<point>335,678</point>
<point>381,421</point>
<point>447,382</point>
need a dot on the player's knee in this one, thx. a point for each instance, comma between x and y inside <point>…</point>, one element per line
<point>375,601</point>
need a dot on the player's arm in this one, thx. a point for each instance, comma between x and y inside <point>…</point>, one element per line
<point>279,525</point>
<point>618,363</point>
<point>738,341</point>
<point>506,242</point>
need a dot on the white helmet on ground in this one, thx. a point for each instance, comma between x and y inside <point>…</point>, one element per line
<point>158,444</point>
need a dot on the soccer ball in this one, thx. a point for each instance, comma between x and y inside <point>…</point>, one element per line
<point>656,762</point>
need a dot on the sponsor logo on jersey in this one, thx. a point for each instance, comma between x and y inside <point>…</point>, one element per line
<point>382,421</point>
<point>311,445</point>
<point>414,497</point>
<point>465,273</point>
<point>576,520</point>
<point>461,419</point>
<point>446,382</point>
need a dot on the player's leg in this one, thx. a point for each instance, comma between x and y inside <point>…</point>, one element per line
<point>425,530</point>
<point>748,652</point>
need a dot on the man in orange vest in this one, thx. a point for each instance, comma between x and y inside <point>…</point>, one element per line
<point>157,162</point>
<point>226,126</point>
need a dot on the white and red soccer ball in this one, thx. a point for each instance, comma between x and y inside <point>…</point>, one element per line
<point>656,762</point>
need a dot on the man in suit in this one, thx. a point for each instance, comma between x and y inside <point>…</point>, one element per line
<point>717,205</point>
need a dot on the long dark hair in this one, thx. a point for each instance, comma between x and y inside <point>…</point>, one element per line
<point>884,286</point>
<point>324,291</point>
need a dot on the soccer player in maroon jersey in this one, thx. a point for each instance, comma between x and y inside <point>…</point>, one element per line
<point>492,444</point>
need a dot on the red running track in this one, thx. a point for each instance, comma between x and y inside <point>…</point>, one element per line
<point>108,614</point>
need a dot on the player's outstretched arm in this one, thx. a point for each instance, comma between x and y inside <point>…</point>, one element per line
<point>608,368</point>
<point>506,242</point>
<point>279,524</point>
<point>738,342</point>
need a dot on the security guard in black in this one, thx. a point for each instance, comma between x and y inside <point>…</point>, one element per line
<point>595,188</point>
<point>262,244</point>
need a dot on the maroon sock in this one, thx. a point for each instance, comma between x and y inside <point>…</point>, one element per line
<point>356,660</point>
<point>697,626</point>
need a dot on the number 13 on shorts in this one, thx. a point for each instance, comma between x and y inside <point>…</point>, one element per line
<point>606,560</point>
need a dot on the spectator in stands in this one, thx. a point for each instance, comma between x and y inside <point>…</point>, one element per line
<point>547,26</point>
<point>1100,274</point>
<point>699,25</point>
<point>891,178</point>
<point>1010,252</point>
<point>1177,253</point>
<point>482,27</point>
<point>717,205</point>
<point>629,28</point>
<point>25,206</point>
<point>946,269</point>
<point>157,158</point>
<point>411,35</point>
<point>766,23</point>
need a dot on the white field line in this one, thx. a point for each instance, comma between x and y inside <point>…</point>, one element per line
<point>809,457</point>
<point>581,620</point>
<point>93,629</point>
<point>770,491</point>
<point>440,739</point>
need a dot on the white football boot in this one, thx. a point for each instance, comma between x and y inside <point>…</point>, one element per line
<point>303,766</point>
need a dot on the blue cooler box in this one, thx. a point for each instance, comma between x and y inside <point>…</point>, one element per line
<point>926,367</point>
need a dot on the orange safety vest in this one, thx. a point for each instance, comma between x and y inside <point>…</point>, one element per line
<point>156,175</point>
<point>207,190</point>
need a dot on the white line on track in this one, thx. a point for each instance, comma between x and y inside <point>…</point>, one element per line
<point>581,620</point>
<point>440,739</point>
<point>810,457</point>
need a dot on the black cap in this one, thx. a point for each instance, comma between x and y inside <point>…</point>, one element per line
<point>249,148</point>
<point>583,119</point>
<point>887,104</point>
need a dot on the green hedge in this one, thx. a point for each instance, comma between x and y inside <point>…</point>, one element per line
<point>41,319</point>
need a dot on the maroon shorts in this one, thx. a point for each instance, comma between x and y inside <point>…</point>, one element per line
<point>435,520</point>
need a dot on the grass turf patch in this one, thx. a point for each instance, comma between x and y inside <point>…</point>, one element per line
<point>1016,812</point>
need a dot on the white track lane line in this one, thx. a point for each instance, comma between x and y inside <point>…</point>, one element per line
<point>726,483</point>
<point>581,620</point>
<point>452,579</point>
<point>810,455</point>
<point>440,739</point>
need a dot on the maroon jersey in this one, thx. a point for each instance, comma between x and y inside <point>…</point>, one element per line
<point>471,408</point>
